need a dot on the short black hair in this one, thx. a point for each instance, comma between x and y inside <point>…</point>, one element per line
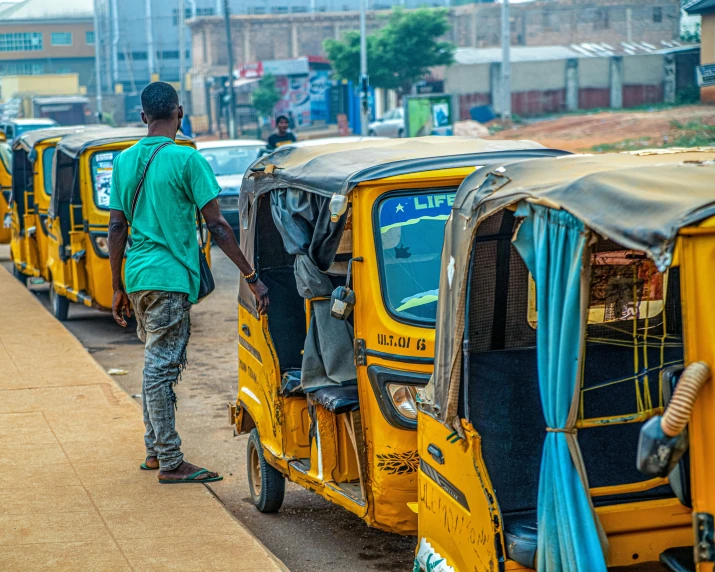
<point>283,117</point>
<point>159,100</point>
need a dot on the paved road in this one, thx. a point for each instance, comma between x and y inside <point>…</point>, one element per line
<point>308,534</point>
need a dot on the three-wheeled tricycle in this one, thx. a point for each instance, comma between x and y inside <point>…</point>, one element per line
<point>32,156</point>
<point>576,298</point>
<point>5,192</point>
<point>348,240</point>
<point>78,217</point>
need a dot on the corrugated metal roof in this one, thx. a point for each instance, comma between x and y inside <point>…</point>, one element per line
<point>48,10</point>
<point>699,6</point>
<point>468,56</point>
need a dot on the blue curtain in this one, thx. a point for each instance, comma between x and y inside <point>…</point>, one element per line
<point>552,244</point>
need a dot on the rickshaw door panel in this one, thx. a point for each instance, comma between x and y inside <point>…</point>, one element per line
<point>698,285</point>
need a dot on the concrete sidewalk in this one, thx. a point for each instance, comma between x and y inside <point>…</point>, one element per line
<point>72,496</point>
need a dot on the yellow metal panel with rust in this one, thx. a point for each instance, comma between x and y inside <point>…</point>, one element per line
<point>698,283</point>
<point>5,186</point>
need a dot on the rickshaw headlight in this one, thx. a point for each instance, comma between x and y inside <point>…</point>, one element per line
<point>101,243</point>
<point>404,398</point>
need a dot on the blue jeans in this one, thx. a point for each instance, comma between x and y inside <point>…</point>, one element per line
<point>164,325</point>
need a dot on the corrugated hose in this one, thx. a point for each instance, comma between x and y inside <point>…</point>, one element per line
<point>677,414</point>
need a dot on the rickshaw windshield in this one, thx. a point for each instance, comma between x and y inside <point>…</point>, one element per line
<point>47,156</point>
<point>101,166</point>
<point>6,156</point>
<point>410,234</point>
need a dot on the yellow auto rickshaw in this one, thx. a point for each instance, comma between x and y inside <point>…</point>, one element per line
<point>576,297</point>
<point>32,156</point>
<point>347,239</point>
<point>5,192</point>
<point>78,217</point>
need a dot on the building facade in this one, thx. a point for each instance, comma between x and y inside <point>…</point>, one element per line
<point>40,37</point>
<point>706,10</point>
<point>270,37</point>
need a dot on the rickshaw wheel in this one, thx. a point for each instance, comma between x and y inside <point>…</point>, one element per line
<point>267,485</point>
<point>19,275</point>
<point>60,304</point>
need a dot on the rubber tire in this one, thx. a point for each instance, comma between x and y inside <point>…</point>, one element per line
<point>371,133</point>
<point>400,133</point>
<point>60,304</point>
<point>19,275</point>
<point>273,483</point>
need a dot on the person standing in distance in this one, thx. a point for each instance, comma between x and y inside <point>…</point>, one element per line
<point>162,267</point>
<point>282,136</point>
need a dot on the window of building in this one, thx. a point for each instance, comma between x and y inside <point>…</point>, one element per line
<point>61,38</point>
<point>601,21</point>
<point>657,14</point>
<point>21,68</point>
<point>89,38</point>
<point>279,9</point>
<point>21,42</point>
<point>298,9</point>
<point>188,14</point>
<point>256,10</point>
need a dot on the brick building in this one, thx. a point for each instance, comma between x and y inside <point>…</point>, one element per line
<point>258,38</point>
<point>48,37</point>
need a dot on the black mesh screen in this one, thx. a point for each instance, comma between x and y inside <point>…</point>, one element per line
<point>499,290</point>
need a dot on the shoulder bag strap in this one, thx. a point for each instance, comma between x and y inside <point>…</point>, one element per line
<point>141,181</point>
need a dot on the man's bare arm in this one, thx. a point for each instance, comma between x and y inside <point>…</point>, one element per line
<point>117,242</point>
<point>223,235</point>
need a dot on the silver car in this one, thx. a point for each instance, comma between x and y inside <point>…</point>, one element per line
<point>392,124</point>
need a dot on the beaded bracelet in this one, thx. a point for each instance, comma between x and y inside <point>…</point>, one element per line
<point>251,278</point>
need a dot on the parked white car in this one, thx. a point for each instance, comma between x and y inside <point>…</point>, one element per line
<point>392,124</point>
<point>229,160</point>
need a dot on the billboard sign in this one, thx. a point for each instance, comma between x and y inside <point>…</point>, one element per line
<point>428,115</point>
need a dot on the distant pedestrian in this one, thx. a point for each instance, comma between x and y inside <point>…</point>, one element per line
<point>186,126</point>
<point>162,267</point>
<point>291,121</point>
<point>282,136</point>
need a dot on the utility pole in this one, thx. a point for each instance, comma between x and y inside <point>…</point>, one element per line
<point>505,61</point>
<point>98,60</point>
<point>150,40</point>
<point>180,14</point>
<point>364,82</point>
<point>231,94</point>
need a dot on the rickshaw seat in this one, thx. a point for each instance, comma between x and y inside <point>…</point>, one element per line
<point>290,384</point>
<point>520,537</point>
<point>337,399</point>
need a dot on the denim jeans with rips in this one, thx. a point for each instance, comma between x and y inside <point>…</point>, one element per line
<point>164,325</point>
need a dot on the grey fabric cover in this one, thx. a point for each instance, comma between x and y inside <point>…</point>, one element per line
<point>303,221</point>
<point>328,351</point>
<point>74,145</point>
<point>640,200</point>
<point>32,138</point>
<point>327,171</point>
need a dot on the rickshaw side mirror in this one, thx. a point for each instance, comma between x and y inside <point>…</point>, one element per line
<point>663,439</point>
<point>342,301</point>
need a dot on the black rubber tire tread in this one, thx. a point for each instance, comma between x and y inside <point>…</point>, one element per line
<point>60,304</point>
<point>273,483</point>
<point>19,275</point>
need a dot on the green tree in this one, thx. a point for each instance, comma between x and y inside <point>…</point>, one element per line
<point>398,55</point>
<point>266,96</point>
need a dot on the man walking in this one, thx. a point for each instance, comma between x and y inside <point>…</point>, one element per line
<point>162,268</point>
<point>282,136</point>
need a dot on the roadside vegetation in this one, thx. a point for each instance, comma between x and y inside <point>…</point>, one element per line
<point>690,134</point>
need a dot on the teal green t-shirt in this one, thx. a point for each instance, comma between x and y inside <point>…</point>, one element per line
<point>164,254</point>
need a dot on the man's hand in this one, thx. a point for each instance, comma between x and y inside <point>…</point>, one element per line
<point>121,307</point>
<point>261,293</point>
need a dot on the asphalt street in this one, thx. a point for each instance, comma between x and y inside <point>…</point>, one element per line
<point>309,533</point>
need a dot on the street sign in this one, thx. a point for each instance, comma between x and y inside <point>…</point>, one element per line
<point>706,75</point>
